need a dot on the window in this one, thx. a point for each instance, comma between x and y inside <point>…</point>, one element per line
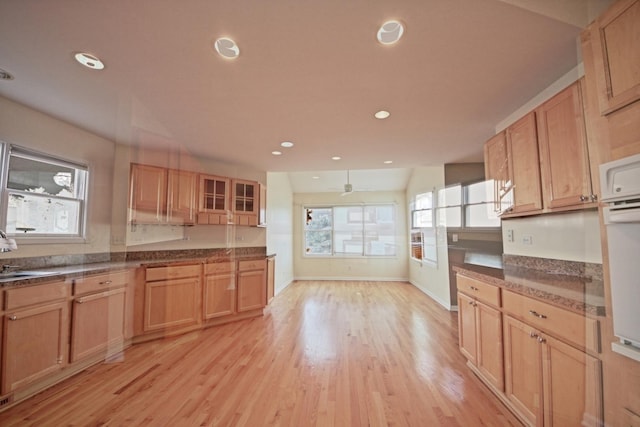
<point>449,210</point>
<point>350,230</point>
<point>480,206</point>
<point>422,210</point>
<point>45,196</point>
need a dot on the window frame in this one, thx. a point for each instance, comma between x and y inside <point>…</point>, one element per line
<point>81,196</point>
<point>332,230</point>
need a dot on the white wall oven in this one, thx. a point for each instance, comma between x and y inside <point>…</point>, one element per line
<point>620,182</point>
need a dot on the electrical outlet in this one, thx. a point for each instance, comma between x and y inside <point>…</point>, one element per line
<point>510,235</point>
<point>454,237</point>
<point>527,240</point>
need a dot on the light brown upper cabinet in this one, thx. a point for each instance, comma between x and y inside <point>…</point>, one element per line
<point>147,194</point>
<point>616,39</point>
<point>496,167</point>
<point>159,195</point>
<point>181,197</point>
<point>524,165</point>
<point>245,202</point>
<point>564,156</point>
<point>213,204</point>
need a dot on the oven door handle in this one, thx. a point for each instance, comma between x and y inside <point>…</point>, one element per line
<point>621,216</point>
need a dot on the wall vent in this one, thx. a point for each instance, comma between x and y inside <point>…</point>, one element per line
<point>6,401</point>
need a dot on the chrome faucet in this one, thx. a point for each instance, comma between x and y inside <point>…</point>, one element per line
<point>6,244</point>
<point>3,234</point>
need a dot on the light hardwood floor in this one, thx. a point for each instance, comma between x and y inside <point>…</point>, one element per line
<point>324,354</point>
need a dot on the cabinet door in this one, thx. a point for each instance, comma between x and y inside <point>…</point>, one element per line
<point>496,164</point>
<point>214,196</point>
<point>147,193</point>
<point>572,386</point>
<point>489,337</point>
<point>219,295</point>
<point>171,303</point>
<point>97,324</point>
<point>564,159</point>
<point>522,144</point>
<point>523,370</point>
<point>616,37</point>
<point>245,203</point>
<point>34,344</point>
<point>181,196</point>
<point>467,328</point>
<point>251,290</point>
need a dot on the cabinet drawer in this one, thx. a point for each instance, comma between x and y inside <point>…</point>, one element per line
<point>258,264</point>
<point>219,267</point>
<point>99,282</point>
<point>564,324</point>
<point>21,297</point>
<point>172,272</point>
<point>481,290</point>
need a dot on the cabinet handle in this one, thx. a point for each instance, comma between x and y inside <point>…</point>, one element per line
<point>583,198</point>
<point>470,302</point>
<point>594,197</point>
<point>541,340</point>
<point>79,301</point>
<point>13,317</point>
<point>106,282</point>
<point>538,315</point>
<point>533,334</point>
<point>473,288</point>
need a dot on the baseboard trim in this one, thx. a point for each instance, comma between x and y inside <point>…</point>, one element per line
<point>354,279</point>
<point>434,297</point>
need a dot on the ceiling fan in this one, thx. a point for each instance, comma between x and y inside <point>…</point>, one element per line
<point>348,188</point>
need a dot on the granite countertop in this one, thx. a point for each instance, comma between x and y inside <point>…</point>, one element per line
<point>137,259</point>
<point>578,291</point>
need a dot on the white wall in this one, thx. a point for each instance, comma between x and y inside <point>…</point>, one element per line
<point>279,227</point>
<point>353,268</point>
<point>571,236</point>
<point>430,279</point>
<point>163,237</point>
<point>32,129</point>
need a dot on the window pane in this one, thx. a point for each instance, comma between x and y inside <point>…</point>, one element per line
<point>318,219</point>
<point>480,192</point>
<point>450,196</point>
<point>318,242</point>
<point>423,218</point>
<point>42,214</point>
<point>449,217</point>
<point>348,243</point>
<point>424,201</point>
<point>481,215</point>
<point>41,177</point>
<point>379,230</point>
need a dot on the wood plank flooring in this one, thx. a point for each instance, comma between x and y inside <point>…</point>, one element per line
<point>324,354</point>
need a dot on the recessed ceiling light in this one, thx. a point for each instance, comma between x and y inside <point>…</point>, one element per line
<point>390,32</point>
<point>388,162</point>
<point>315,177</point>
<point>227,48</point>
<point>382,114</point>
<point>286,144</point>
<point>276,153</point>
<point>89,61</point>
<point>5,75</point>
<point>336,158</point>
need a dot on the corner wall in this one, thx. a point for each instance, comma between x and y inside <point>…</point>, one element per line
<point>279,227</point>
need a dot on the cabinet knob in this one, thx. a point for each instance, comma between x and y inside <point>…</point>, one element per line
<point>541,340</point>
<point>13,317</point>
<point>594,197</point>
<point>583,198</point>
<point>470,302</point>
<point>79,301</point>
<point>533,334</point>
<point>106,282</point>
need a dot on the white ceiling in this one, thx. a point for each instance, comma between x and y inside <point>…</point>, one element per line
<point>310,72</point>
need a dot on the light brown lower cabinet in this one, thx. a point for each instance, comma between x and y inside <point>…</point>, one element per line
<point>219,298</point>
<point>98,324</point>
<point>252,284</point>
<point>540,360</point>
<point>35,339</point>
<point>549,382</point>
<point>481,338</point>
